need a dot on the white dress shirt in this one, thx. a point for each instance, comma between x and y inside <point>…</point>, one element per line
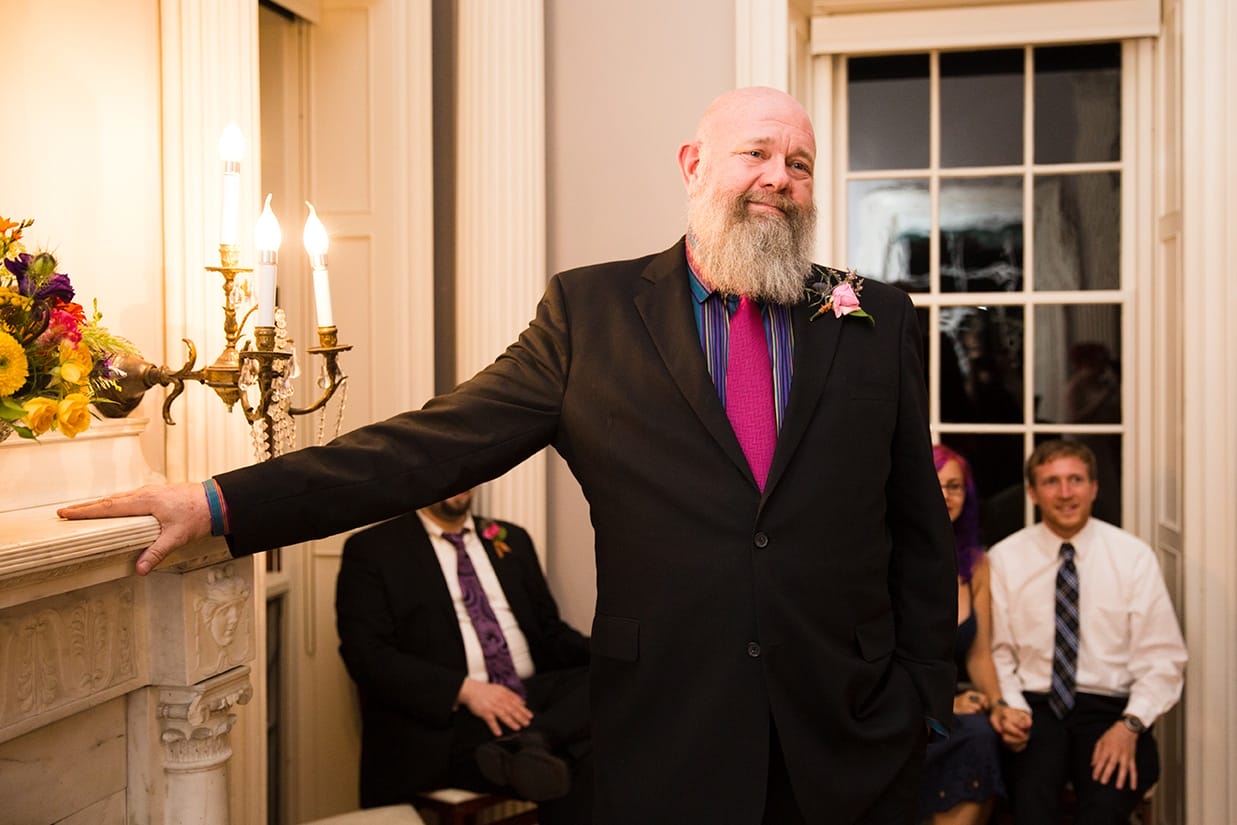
<point>1130,642</point>
<point>448,559</point>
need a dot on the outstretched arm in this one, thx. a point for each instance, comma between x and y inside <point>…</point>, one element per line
<point>180,509</point>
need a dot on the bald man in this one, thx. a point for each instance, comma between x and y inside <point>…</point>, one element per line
<point>776,585</point>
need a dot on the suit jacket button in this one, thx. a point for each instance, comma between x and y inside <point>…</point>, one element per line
<point>761,541</point>
<point>753,650</point>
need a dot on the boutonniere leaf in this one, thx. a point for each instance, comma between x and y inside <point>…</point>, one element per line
<point>496,534</point>
<point>836,290</point>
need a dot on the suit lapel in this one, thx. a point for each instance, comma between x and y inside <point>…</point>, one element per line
<point>665,304</point>
<point>816,343</point>
<point>431,575</point>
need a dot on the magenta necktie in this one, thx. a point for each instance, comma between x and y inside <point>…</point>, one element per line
<point>749,389</point>
<point>498,663</point>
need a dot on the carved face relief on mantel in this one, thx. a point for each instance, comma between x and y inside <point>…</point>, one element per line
<point>222,609</point>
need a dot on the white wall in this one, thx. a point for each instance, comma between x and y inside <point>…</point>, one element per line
<point>80,153</point>
<point>625,85</point>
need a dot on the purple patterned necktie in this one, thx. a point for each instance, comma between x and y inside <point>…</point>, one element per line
<point>749,389</point>
<point>498,663</point>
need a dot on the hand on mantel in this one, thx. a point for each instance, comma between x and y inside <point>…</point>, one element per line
<point>180,509</point>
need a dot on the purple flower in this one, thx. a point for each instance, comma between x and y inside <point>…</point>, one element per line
<point>57,286</point>
<point>30,270</point>
<point>18,267</point>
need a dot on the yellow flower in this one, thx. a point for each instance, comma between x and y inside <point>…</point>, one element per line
<point>14,368</point>
<point>40,414</point>
<point>73,414</point>
<point>75,363</point>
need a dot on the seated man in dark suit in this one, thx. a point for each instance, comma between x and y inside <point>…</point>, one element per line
<point>467,676</point>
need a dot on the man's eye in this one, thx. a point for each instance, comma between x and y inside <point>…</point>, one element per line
<point>801,167</point>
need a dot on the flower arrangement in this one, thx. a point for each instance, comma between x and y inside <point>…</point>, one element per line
<point>837,290</point>
<point>494,532</point>
<point>54,361</point>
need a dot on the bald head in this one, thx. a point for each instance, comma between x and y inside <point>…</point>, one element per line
<point>753,105</point>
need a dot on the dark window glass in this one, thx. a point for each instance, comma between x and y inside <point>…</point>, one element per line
<point>982,108</point>
<point>1078,364</point>
<point>1107,449</point>
<point>888,223</point>
<point>981,364</point>
<point>888,108</point>
<point>996,465</point>
<point>1078,231</point>
<point>981,234</point>
<point>1078,103</point>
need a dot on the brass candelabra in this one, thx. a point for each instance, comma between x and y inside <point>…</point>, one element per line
<point>263,365</point>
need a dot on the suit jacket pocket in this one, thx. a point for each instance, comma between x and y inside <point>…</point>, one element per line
<point>875,638</point>
<point>616,638</point>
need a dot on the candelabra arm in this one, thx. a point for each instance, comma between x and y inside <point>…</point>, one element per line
<point>136,375</point>
<point>329,349</point>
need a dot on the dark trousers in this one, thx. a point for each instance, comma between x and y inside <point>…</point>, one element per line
<point>559,701</point>
<point>1060,750</point>
<point>895,807</point>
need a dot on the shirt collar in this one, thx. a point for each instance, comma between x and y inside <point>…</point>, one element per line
<point>432,528</point>
<point>1051,542</point>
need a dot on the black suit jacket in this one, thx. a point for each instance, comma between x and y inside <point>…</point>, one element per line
<point>827,603</point>
<point>401,642</point>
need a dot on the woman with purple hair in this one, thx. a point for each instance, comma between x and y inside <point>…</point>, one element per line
<point>962,774</point>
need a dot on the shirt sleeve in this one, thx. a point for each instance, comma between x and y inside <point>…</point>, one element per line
<point>1157,650</point>
<point>1003,653</point>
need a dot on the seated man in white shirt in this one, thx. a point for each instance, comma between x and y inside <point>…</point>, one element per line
<point>1087,649</point>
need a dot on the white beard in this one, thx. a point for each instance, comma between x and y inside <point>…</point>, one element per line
<point>767,257</point>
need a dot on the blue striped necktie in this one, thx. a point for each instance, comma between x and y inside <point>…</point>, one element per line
<point>1065,645</point>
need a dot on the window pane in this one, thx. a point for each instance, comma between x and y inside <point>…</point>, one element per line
<point>996,464</point>
<point>888,111</point>
<point>1078,231</point>
<point>1078,103</point>
<point>1107,449</point>
<point>981,364</point>
<point>981,234</point>
<point>888,222</point>
<point>981,108</point>
<point>1077,363</point>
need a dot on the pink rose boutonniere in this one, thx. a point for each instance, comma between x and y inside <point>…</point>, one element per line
<point>497,534</point>
<point>836,290</point>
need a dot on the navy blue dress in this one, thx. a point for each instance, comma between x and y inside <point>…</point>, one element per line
<point>966,767</point>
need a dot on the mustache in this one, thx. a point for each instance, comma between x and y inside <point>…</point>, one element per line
<point>782,202</point>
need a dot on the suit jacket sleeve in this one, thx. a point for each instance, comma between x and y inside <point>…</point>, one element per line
<point>475,433</point>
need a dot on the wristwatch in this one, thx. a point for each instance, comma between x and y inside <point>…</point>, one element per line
<point>1133,723</point>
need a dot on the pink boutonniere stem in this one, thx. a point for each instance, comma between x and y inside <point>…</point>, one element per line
<point>497,535</point>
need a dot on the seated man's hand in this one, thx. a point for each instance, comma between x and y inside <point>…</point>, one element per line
<point>494,704</point>
<point>1114,752</point>
<point>970,701</point>
<point>181,510</point>
<point>1012,724</point>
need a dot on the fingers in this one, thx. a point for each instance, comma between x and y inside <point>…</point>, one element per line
<point>120,504</point>
<point>181,510</point>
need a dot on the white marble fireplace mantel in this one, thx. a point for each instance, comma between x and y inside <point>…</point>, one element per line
<point>117,692</point>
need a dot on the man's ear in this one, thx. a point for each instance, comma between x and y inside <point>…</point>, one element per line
<point>689,162</point>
